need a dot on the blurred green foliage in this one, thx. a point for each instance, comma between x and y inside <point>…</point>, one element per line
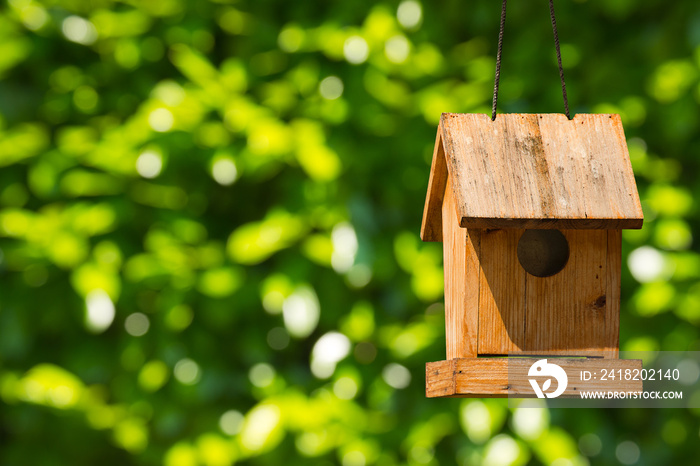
<point>209,226</point>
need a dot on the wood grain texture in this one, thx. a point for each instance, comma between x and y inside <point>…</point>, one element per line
<point>502,293</point>
<point>431,228</point>
<point>489,377</point>
<point>555,224</point>
<point>614,266</point>
<point>440,378</point>
<point>472,283</point>
<point>461,283</point>
<point>536,171</point>
<point>570,312</point>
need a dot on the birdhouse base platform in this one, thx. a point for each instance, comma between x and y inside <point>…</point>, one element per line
<point>501,377</point>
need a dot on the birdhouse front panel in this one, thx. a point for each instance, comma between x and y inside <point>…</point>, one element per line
<point>568,312</point>
<point>495,306</point>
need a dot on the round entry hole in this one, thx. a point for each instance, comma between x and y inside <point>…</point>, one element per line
<point>543,253</point>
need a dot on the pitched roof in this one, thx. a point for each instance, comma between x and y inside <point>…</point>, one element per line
<point>532,171</point>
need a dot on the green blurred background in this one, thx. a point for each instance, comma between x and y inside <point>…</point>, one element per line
<point>209,247</point>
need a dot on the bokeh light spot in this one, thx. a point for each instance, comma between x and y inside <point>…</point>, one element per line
<point>396,376</point>
<point>397,49</point>
<point>354,458</point>
<point>231,422</point>
<point>137,324</point>
<point>345,247</point>
<point>301,312</point>
<point>153,375</point>
<point>331,87</point>
<point>187,371</point>
<point>259,427</point>
<point>80,30</point>
<point>356,50</point>
<point>409,14</point>
<point>502,450</point>
<point>100,311</point>
<point>149,164</point>
<point>327,352</point>
<point>345,388</point>
<point>627,452</point>
<point>646,264</point>
<point>224,171</point>
<point>261,375</point>
<point>161,120</point>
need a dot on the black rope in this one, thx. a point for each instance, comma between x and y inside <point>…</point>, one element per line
<point>498,61</point>
<point>561,68</point>
<point>500,49</point>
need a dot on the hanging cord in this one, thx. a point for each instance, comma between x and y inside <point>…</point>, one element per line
<point>500,49</point>
<point>561,68</point>
<point>498,61</point>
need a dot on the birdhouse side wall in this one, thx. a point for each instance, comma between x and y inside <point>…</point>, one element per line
<point>461,270</point>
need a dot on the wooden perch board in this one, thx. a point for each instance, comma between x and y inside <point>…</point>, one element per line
<point>488,377</point>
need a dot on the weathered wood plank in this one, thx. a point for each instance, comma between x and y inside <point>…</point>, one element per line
<point>440,378</point>
<point>461,283</point>
<point>489,377</point>
<point>521,312</point>
<point>539,171</point>
<point>502,296</point>
<point>472,283</point>
<point>547,223</point>
<point>454,255</point>
<point>560,320</point>
<point>431,228</point>
<point>614,265</point>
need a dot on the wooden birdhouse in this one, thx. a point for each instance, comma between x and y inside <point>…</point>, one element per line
<point>530,209</point>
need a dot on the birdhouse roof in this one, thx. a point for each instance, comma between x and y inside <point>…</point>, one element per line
<point>532,171</point>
